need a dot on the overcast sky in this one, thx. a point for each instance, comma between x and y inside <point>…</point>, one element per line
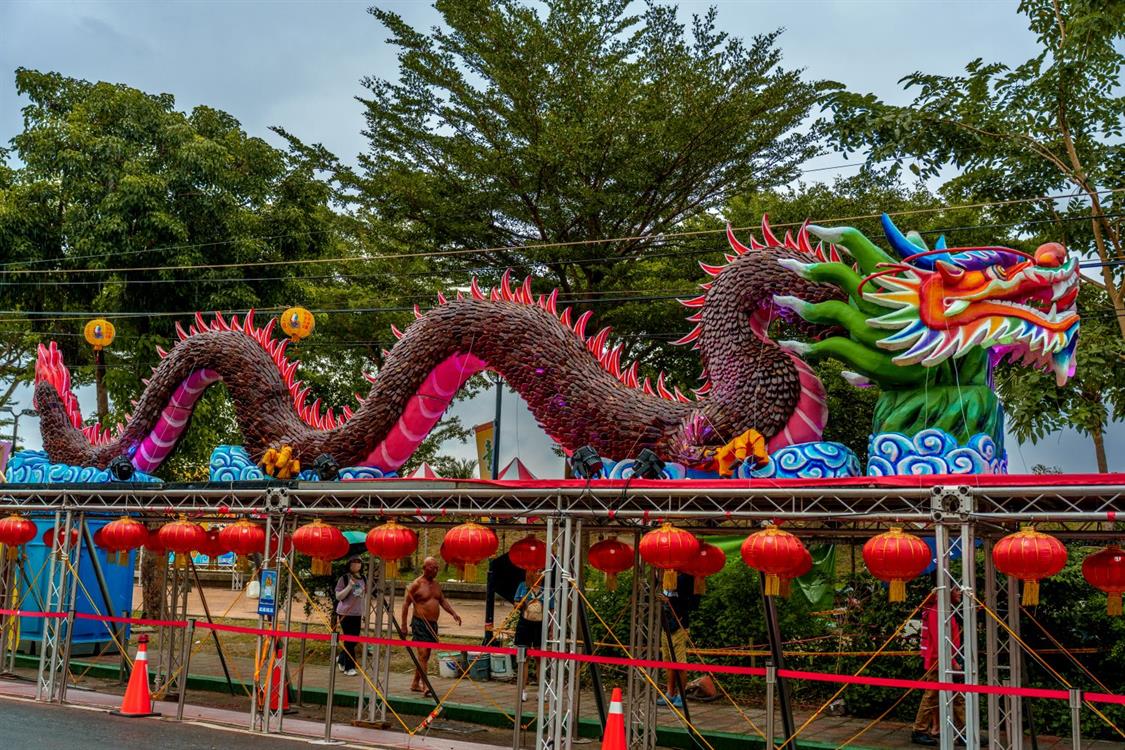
<point>298,64</point>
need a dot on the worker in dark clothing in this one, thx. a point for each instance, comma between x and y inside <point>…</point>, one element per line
<point>677,608</point>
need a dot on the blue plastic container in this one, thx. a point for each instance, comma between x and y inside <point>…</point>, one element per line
<point>88,598</point>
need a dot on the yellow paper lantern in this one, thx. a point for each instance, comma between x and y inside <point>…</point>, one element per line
<point>99,333</point>
<point>297,322</point>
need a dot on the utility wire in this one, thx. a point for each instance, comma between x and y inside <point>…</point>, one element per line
<point>309,233</point>
<point>643,255</point>
<point>538,246</point>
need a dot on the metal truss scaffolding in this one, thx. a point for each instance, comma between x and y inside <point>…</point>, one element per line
<point>644,643</point>
<point>375,661</point>
<point>558,681</point>
<point>957,514</point>
<point>60,599</point>
<point>1003,658</point>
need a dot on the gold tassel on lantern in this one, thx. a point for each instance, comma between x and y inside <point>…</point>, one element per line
<point>898,590</point>
<point>469,573</point>
<point>785,587</point>
<point>669,579</point>
<point>700,586</point>
<point>321,567</point>
<point>392,569</point>
<point>1030,593</point>
<point>1113,605</point>
<point>611,581</point>
<point>773,584</point>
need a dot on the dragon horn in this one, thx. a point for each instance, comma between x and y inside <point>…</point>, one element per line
<point>904,247</point>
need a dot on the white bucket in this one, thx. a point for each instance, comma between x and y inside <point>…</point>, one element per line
<point>450,664</point>
<point>502,669</point>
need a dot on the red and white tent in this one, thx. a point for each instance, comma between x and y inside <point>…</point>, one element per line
<point>516,471</point>
<point>425,471</point>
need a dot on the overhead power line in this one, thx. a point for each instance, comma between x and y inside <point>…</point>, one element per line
<point>498,268</point>
<point>529,247</point>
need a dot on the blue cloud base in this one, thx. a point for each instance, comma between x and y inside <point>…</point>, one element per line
<point>933,451</point>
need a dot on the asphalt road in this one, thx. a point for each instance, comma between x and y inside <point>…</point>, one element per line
<point>33,726</point>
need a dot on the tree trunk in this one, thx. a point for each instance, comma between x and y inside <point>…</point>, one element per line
<point>1099,450</point>
<point>153,569</point>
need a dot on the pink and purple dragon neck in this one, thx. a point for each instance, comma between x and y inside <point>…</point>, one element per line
<point>575,385</point>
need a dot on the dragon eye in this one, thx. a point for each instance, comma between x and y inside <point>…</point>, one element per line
<point>999,271</point>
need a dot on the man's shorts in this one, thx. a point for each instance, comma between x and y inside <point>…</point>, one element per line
<point>425,631</point>
<point>679,646</point>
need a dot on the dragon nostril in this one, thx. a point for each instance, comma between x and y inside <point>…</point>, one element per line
<point>1052,255</point>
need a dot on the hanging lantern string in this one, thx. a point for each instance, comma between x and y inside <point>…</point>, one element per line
<point>877,720</point>
<point>1042,662</point>
<point>645,673</point>
<point>865,665</point>
<point>1063,650</point>
<point>714,678</point>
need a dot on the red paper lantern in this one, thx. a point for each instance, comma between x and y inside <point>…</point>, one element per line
<point>321,542</point>
<point>668,548</point>
<point>775,553</point>
<point>390,543</point>
<point>800,568</point>
<point>121,536</point>
<point>708,561</point>
<point>467,545</point>
<point>611,557</point>
<point>213,547</point>
<point>182,537</point>
<point>529,553</point>
<point>1030,556</point>
<point>1105,571</point>
<point>244,538</point>
<point>16,531</point>
<point>49,538</point>
<point>896,557</point>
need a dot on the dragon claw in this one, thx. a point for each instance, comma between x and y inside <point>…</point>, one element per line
<point>796,304</point>
<point>750,445</point>
<point>797,347</point>
<point>796,266</point>
<point>832,235</point>
<point>279,463</point>
<point>855,379</point>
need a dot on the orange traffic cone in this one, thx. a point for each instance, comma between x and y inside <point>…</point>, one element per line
<point>279,686</point>
<point>614,737</point>
<point>137,702</point>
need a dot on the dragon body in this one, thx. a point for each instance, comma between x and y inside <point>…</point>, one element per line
<point>576,384</point>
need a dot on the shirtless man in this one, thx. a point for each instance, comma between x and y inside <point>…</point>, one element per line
<point>426,595</point>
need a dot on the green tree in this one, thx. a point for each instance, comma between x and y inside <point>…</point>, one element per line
<point>1053,123</point>
<point>1092,398</point>
<point>110,178</point>
<point>112,192</point>
<point>571,122</point>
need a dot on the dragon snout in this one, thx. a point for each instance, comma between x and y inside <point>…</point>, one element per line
<point>1051,255</point>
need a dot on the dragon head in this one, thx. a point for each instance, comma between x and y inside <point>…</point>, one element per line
<point>947,301</point>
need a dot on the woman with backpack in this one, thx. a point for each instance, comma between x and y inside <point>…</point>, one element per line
<point>350,596</point>
<point>529,625</point>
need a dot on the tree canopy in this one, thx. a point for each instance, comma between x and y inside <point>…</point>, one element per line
<point>122,205</point>
<point>1050,126</point>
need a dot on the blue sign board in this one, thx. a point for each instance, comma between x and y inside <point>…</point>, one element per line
<point>267,593</point>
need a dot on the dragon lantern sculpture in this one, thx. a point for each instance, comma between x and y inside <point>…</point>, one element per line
<point>924,325</point>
